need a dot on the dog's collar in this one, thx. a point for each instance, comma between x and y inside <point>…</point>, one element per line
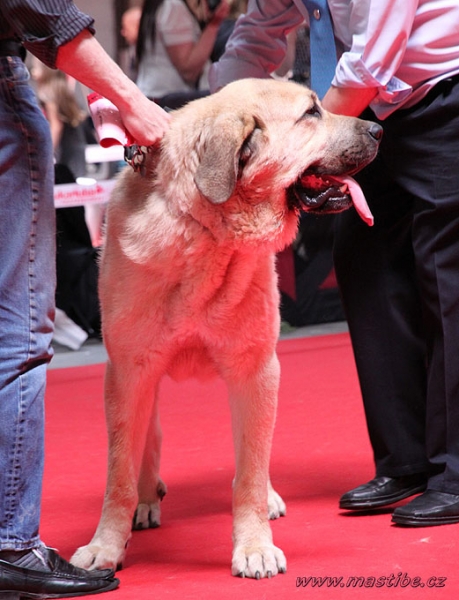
<point>135,157</point>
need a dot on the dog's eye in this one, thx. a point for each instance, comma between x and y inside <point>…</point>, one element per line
<point>314,111</point>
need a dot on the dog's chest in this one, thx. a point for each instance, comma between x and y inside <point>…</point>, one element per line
<point>219,314</point>
<point>213,289</point>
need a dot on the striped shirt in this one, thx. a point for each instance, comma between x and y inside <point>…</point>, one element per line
<point>42,26</point>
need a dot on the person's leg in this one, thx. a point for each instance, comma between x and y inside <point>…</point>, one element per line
<point>376,274</point>
<point>27,283</point>
<point>436,246</point>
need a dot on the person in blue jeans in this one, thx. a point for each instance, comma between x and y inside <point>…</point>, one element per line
<point>398,64</point>
<point>61,36</point>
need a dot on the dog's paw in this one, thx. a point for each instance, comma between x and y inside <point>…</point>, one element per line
<point>276,506</point>
<point>94,556</point>
<point>161,489</point>
<point>147,516</point>
<point>258,562</point>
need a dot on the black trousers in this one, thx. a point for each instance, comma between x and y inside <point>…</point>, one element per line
<point>399,282</point>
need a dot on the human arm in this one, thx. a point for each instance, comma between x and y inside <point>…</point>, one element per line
<point>190,58</point>
<point>348,101</point>
<point>374,35</point>
<point>258,44</point>
<point>60,35</point>
<point>84,59</point>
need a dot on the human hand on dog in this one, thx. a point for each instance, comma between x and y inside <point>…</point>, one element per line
<point>145,121</point>
<point>85,59</point>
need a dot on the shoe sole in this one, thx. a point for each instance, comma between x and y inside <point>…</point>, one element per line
<point>424,521</point>
<point>10,595</point>
<point>386,501</point>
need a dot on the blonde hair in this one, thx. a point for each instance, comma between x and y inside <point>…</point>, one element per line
<point>53,87</point>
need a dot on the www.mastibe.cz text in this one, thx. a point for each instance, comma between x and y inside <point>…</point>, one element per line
<point>399,580</point>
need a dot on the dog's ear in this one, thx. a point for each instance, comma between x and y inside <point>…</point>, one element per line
<point>217,171</point>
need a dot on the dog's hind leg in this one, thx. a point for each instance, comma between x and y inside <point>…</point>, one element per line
<point>151,488</point>
<point>129,391</point>
<point>253,401</point>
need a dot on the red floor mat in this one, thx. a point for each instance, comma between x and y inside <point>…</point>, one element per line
<point>320,451</point>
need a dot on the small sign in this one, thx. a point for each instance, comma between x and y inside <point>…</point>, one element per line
<point>72,194</point>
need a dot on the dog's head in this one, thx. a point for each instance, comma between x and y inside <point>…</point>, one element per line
<point>244,161</point>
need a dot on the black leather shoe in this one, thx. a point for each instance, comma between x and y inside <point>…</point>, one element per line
<point>430,508</point>
<point>383,491</point>
<point>42,573</point>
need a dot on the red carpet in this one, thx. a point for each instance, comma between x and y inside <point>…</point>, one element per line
<point>320,451</point>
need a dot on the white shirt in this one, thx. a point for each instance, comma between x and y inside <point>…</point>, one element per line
<point>402,47</point>
<point>175,25</point>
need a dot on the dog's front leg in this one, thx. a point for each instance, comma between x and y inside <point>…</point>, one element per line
<point>129,392</point>
<point>253,406</point>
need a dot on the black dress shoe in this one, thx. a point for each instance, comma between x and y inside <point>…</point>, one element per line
<point>41,573</point>
<point>430,508</point>
<point>383,491</point>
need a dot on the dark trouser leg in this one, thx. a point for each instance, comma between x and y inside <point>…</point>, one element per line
<point>413,189</point>
<point>436,247</point>
<point>375,270</point>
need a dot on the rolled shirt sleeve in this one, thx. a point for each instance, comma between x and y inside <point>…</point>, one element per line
<point>45,25</point>
<point>377,35</point>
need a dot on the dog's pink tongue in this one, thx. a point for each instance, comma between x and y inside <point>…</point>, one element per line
<point>358,198</point>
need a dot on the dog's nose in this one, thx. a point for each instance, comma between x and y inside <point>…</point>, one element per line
<point>376,131</point>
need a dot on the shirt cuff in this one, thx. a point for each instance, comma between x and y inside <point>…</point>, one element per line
<point>356,75</point>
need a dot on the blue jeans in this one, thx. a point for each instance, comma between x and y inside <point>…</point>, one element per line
<point>27,285</point>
